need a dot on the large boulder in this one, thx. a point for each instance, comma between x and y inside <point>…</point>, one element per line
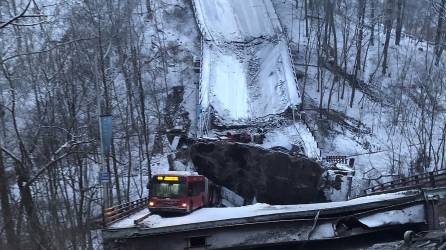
<point>253,172</point>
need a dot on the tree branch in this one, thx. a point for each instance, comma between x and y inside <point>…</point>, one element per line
<point>47,50</point>
<point>10,154</point>
<point>16,17</point>
<point>69,145</point>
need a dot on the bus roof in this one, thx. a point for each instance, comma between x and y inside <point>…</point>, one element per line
<point>179,173</point>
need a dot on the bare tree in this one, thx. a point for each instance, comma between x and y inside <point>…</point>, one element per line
<point>12,241</point>
<point>439,36</point>
<point>388,15</point>
<point>17,17</point>
<point>399,20</point>
<point>359,38</point>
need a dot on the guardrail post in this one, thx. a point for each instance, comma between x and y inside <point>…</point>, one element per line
<point>432,179</point>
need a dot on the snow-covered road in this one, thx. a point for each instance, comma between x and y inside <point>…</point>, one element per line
<point>247,71</point>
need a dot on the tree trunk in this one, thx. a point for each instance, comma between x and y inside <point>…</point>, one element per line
<point>372,22</point>
<point>438,41</point>
<point>360,29</point>
<point>12,241</point>
<point>116,173</point>
<point>38,235</point>
<point>388,26</point>
<point>149,9</point>
<point>335,53</point>
<point>399,21</point>
<point>307,33</point>
<point>145,128</point>
<point>345,48</point>
<point>22,168</point>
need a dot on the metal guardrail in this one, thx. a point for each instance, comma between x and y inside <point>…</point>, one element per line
<point>113,214</point>
<point>429,179</point>
<point>204,115</point>
<point>336,159</point>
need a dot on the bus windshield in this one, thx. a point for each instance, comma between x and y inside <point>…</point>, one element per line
<point>168,190</point>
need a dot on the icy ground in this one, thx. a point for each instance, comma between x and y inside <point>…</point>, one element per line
<point>215,214</point>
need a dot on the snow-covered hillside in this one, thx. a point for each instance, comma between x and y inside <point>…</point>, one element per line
<point>382,129</point>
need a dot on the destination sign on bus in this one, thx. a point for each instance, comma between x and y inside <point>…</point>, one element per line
<point>167,178</point>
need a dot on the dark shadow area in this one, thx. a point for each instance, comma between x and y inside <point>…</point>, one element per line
<point>393,237</point>
<point>269,176</point>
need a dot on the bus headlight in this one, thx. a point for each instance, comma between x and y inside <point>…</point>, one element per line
<point>151,203</point>
<point>183,204</point>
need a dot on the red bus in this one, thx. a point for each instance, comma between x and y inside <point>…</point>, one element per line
<point>181,192</point>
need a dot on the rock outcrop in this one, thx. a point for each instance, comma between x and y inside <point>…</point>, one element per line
<point>253,172</point>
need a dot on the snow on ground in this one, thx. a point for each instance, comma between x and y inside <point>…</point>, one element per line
<point>224,84</point>
<point>243,83</point>
<point>402,216</point>
<point>274,88</point>
<point>389,149</point>
<point>247,72</point>
<point>235,20</point>
<point>129,221</point>
<point>215,214</point>
<point>294,134</point>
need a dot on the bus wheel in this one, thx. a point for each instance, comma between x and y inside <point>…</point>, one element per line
<point>408,237</point>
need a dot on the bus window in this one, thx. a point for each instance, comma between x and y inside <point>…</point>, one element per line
<point>190,191</point>
<point>195,188</point>
<point>168,190</point>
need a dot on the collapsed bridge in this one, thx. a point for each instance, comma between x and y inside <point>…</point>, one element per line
<point>131,226</point>
<point>247,83</point>
<point>246,70</point>
<point>262,224</point>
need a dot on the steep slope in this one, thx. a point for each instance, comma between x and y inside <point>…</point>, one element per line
<point>384,130</point>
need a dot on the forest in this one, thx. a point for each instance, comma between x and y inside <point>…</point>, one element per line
<point>371,74</point>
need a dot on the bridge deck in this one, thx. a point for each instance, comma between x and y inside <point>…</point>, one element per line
<point>210,217</point>
<point>262,224</point>
<point>245,60</point>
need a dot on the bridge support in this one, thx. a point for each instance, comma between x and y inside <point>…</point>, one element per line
<point>432,199</point>
<point>432,213</point>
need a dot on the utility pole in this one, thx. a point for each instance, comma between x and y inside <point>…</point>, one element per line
<point>105,133</point>
<point>105,130</point>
